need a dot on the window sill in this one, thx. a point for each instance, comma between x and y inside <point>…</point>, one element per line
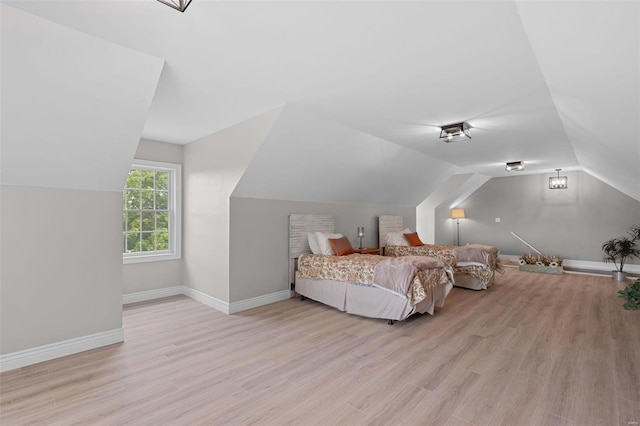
<point>150,258</point>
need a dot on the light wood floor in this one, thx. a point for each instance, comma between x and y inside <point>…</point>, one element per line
<point>534,349</point>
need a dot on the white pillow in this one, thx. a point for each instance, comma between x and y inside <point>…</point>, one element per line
<point>323,242</point>
<point>313,243</point>
<point>397,238</point>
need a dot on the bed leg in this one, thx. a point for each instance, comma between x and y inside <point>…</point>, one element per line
<point>390,322</point>
<point>302,297</point>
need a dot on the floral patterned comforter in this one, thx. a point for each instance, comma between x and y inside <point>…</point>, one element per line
<point>484,274</point>
<point>360,269</point>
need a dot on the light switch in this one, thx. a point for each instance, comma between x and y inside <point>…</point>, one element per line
<point>497,219</point>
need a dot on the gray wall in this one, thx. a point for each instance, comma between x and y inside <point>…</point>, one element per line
<point>147,276</point>
<point>259,238</point>
<point>61,256</point>
<point>571,223</point>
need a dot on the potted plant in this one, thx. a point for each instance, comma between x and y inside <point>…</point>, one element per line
<point>617,250</point>
<point>632,295</point>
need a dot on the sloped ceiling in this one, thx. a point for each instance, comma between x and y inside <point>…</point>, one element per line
<point>554,84</point>
<point>307,158</point>
<point>73,106</point>
<point>594,84</point>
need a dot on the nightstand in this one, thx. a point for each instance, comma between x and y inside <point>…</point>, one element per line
<point>367,250</point>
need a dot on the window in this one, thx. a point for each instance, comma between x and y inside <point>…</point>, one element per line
<point>151,212</point>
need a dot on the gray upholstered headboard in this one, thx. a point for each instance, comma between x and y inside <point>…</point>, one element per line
<point>299,225</point>
<point>386,224</point>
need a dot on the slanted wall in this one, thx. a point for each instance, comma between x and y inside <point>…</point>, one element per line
<point>73,108</point>
<point>212,168</point>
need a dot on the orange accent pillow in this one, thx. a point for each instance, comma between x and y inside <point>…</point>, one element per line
<point>341,246</point>
<point>413,239</point>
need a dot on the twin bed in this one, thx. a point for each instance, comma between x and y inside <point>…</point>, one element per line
<point>410,278</point>
<point>362,284</point>
<point>474,265</point>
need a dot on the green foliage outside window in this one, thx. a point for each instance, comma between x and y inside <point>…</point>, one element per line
<point>145,212</point>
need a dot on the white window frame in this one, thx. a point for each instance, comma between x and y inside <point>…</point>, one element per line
<point>175,216</point>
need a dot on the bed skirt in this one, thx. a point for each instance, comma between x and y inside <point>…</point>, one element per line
<point>471,282</point>
<point>369,301</point>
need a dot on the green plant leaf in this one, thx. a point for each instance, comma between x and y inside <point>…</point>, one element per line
<point>631,294</point>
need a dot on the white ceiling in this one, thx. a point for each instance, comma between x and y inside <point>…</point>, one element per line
<point>554,84</point>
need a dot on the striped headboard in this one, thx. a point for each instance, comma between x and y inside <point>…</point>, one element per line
<point>386,224</point>
<point>299,225</point>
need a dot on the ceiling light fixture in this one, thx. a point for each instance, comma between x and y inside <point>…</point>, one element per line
<point>179,5</point>
<point>455,132</point>
<point>515,166</point>
<point>558,182</point>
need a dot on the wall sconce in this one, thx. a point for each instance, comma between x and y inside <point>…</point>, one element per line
<point>455,132</point>
<point>558,182</point>
<point>514,165</point>
<point>457,214</point>
<point>360,234</point>
<point>179,5</point>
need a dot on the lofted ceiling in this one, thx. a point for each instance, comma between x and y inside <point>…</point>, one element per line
<point>553,84</point>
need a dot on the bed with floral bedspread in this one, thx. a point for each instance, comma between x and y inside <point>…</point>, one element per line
<point>474,265</point>
<point>476,260</point>
<point>409,276</point>
<point>323,267</point>
<point>375,286</point>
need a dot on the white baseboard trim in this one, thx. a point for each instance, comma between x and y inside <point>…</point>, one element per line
<point>206,299</point>
<point>588,265</point>
<point>255,302</point>
<point>143,296</point>
<point>222,306</point>
<point>51,351</point>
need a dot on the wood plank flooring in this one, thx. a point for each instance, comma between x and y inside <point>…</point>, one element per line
<point>534,349</point>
